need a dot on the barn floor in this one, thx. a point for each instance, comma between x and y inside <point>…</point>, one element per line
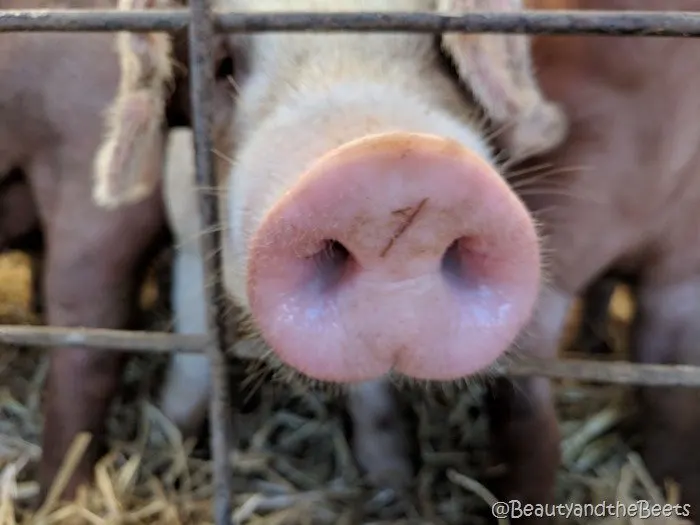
<point>294,467</point>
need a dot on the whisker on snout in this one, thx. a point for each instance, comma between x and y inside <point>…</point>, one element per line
<point>537,182</point>
<point>185,240</point>
<point>209,190</point>
<point>531,174</point>
<point>541,191</point>
<point>234,85</point>
<point>544,169</point>
<point>255,379</point>
<point>498,131</point>
<point>537,214</point>
<point>225,157</point>
<point>510,174</point>
<point>221,227</point>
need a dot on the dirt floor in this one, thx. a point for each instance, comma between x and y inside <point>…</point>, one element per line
<point>294,465</point>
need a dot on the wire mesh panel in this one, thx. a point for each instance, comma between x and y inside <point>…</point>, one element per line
<point>662,24</point>
<point>202,24</point>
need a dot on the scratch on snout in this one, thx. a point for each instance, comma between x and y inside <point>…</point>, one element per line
<point>408,215</point>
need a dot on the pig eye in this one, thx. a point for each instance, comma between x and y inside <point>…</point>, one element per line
<point>225,68</point>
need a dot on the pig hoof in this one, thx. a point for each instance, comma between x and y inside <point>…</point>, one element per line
<point>383,455</point>
<point>538,131</point>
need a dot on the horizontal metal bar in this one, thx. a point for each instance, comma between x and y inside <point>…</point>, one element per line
<point>119,340</point>
<point>628,23</point>
<point>618,372</point>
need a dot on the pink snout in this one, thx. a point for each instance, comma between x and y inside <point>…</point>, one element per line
<point>397,252</point>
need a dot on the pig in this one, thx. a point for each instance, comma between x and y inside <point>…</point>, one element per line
<point>50,129</point>
<point>370,232</point>
<point>628,203</point>
<point>56,129</point>
<point>186,407</point>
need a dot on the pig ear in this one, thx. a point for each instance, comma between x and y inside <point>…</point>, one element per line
<point>498,70</point>
<point>127,164</point>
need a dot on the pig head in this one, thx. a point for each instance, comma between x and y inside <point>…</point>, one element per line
<point>368,228</point>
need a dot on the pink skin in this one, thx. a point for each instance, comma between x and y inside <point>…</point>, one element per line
<point>398,203</point>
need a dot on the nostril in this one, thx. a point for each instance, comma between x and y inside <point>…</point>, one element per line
<point>332,263</point>
<point>452,265</point>
<point>455,264</point>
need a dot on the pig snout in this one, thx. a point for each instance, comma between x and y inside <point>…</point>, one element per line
<point>397,252</point>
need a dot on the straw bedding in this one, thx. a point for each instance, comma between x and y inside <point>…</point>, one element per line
<point>292,464</point>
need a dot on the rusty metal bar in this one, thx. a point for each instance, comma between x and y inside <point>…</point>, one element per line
<point>201,33</point>
<point>611,372</point>
<point>116,340</point>
<point>622,23</point>
<point>616,372</point>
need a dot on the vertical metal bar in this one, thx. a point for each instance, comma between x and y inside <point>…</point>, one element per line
<point>201,33</point>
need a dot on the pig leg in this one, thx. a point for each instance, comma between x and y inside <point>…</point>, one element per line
<point>380,439</point>
<point>523,422</point>
<point>525,439</point>
<point>593,335</point>
<point>185,395</point>
<point>666,331</point>
<point>93,274</point>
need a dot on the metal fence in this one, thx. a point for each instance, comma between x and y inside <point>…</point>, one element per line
<point>202,22</point>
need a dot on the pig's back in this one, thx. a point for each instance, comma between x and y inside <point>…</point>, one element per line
<point>633,157</point>
<point>53,84</point>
